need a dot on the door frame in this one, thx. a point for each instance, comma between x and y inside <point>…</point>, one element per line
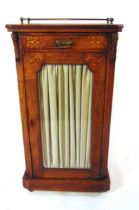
<point>96,62</point>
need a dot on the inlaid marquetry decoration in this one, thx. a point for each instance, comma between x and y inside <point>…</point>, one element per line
<point>32,61</point>
<point>97,62</point>
<point>33,42</point>
<point>98,41</point>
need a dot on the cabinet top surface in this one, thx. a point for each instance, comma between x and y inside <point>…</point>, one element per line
<point>70,27</point>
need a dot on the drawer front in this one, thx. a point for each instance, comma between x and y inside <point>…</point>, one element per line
<point>41,42</point>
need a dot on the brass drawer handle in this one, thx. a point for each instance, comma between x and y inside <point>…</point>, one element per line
<point>64,43</point>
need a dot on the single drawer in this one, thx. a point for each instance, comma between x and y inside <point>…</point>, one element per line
<point>41,42</point>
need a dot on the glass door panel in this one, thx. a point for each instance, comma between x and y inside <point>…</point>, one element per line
<point>65,95</point>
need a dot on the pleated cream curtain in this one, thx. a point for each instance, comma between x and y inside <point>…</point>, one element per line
<point>65,105</point>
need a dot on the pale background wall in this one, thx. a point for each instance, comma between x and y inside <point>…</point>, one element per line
<point>124,139</point>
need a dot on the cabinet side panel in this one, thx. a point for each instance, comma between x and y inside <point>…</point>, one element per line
<point>23,107</point>
<point>108,101</point>
<point>24,118</point>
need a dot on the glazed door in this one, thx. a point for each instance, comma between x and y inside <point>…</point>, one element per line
<point>65,101</point>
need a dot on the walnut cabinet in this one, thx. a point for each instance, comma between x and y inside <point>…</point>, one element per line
<point>65,78</point>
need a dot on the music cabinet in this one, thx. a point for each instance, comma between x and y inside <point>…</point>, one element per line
<point>65,78</point>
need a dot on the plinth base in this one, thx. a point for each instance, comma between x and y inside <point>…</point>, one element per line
<point>73,185</point>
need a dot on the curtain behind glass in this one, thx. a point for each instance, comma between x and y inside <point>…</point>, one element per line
<point>65,108</point>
